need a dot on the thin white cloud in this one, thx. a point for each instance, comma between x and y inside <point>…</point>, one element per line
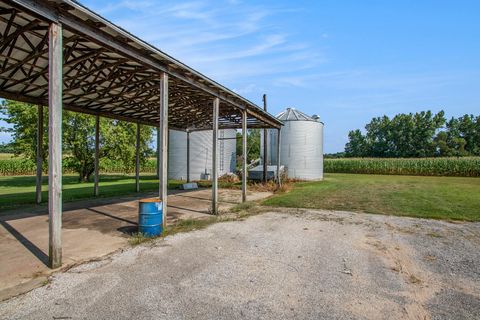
<point>228,41</point>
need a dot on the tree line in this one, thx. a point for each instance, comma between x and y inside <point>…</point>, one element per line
<point>117,138</point>
<point>415,135</point>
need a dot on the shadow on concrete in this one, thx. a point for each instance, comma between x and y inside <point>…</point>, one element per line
<point>36,251</point>
<point>111,216</point>
<point>186,209</point>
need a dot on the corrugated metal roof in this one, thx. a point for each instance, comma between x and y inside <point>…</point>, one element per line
<point>292,114</point>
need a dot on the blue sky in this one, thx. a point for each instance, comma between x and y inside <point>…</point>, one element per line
<point>347,61</point>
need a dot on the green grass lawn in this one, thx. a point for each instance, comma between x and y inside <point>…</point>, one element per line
<point>424,197</point>
<point>20,190</point>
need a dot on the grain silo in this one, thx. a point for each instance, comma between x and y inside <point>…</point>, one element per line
<point>301,145</point>
<point>200,154</point>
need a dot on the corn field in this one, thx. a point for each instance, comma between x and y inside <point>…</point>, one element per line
<point>459,167</point>
<point>23,167</point>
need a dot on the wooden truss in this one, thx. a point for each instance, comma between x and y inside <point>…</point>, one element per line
<point>107,71</point>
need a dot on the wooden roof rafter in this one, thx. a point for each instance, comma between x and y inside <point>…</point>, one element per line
<point>107,71</point>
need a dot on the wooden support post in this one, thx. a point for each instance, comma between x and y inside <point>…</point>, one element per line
<point>163,181</point>
<point>55,66</point>
<point>279,178</point>
<point>158,152</point>
<point>216,106</point>
<point>38,191</point>
<point>137,160</point>
<point>244,156</point>
<point>265,143</point>
<point>97,157</point>
<point>188,156</point>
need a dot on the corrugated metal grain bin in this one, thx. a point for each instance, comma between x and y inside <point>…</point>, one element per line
<point>200,154</point>
<point>301,149</point>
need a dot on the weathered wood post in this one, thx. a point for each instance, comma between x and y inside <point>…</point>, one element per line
<point>279,178</point>
<point>137,160</point>
<point>244,156</point>
<point>216,106</point>
<point>158,152</point>
<point>97,156</point>
<point>265,143</point>
<point>188,156</point>
<point>163,126</point>
<point>55,66</point>
<point>38,189</point>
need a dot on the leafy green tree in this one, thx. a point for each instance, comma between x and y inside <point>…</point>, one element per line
<point>117,139</point>
<point>253,146</point>
<point>464,131</point>
<point>356,146</point>
<point>23,118</point>
<point>405,135</point>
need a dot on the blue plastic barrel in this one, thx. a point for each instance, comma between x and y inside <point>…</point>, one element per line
<point>150,217</point>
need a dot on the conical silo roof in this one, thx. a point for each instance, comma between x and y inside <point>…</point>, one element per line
<point>292,114</point>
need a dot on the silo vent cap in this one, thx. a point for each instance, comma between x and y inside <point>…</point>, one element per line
<point>291,114</point>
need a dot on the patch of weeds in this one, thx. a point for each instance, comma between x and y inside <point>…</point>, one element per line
<point>434,234</point>
<point>189,225</point>
<point>244,206</point>
<point>430,257</point>
<point>414,280</point>
<point>139,238</point>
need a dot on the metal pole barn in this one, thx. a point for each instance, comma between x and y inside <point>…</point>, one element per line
<point>244,156</point>
<point>38,190</point>
<point>163,126</point>
<point>137,160</point>
<point>97,156</point>
<point>55,49</point>
<point>216,106</point>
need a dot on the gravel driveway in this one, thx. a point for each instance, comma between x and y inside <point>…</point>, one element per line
<point>290,264</point>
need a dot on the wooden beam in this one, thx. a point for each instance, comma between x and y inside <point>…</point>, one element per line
<point>188,156</point>
<point>38,191</point>
<point>158,152</point>
<point>163,181</point>
<point>97,157</point>
<point>265,144</point>
<point>55,145</point>
<point>216,106</point>
<point>279,178</point>
<point>137,160</point>
<point>244,156</point>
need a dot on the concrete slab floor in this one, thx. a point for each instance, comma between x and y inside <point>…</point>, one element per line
<point>91,229</point>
